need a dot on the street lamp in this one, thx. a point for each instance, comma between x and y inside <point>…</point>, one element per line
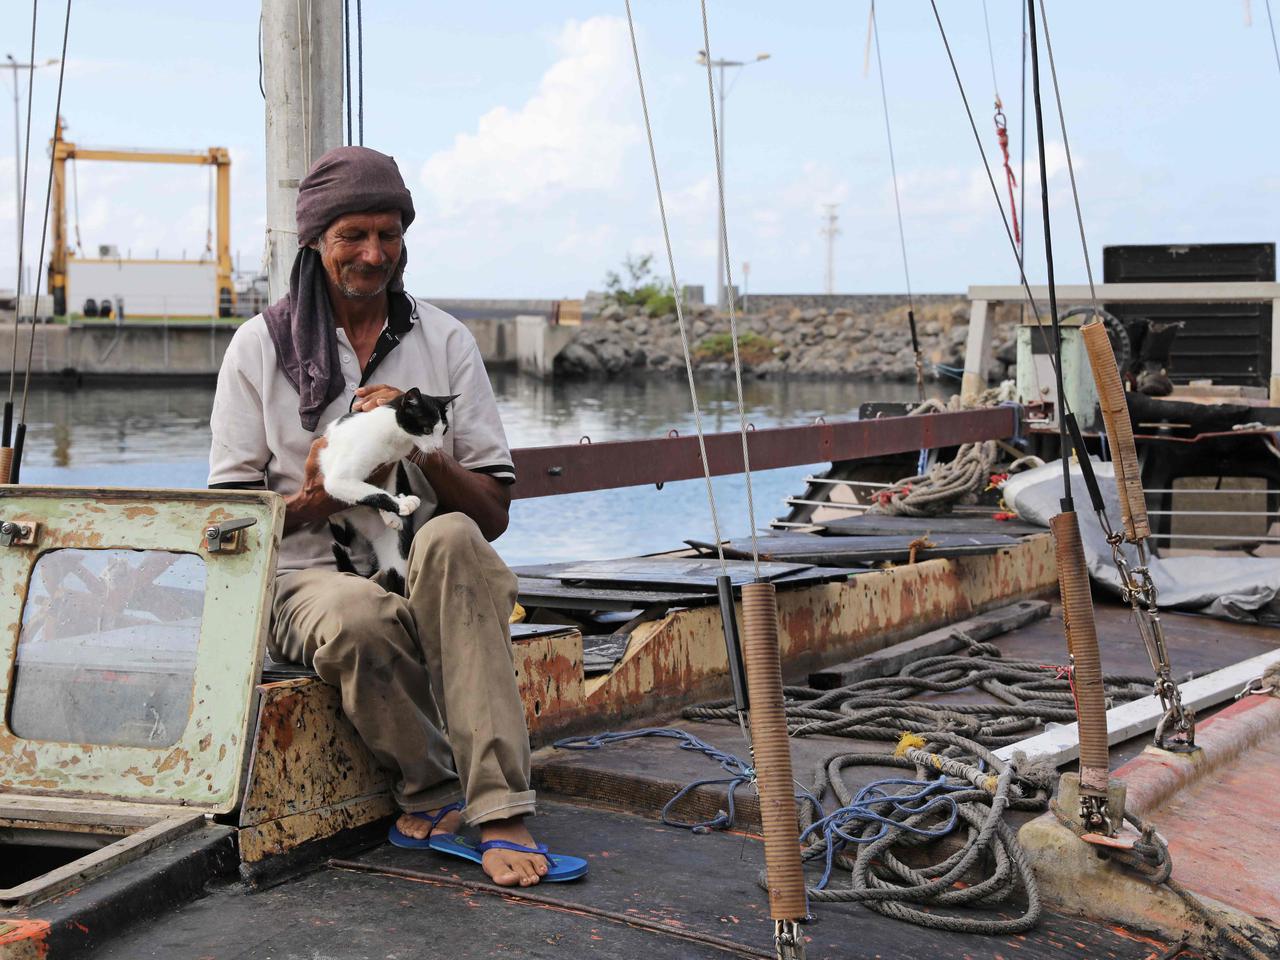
<point>721,288</point>
<point>15,66</point>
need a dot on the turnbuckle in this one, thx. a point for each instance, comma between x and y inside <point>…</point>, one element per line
<point>788,942</point>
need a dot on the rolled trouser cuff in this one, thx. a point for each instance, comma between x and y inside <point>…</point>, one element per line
<point>500,807</point>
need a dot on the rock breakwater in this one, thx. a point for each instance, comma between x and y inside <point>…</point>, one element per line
<point>871,341</point>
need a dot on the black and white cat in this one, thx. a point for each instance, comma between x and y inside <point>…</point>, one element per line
<point>360,443</point>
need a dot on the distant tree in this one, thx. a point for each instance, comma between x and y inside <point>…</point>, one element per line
<point>639,287</point>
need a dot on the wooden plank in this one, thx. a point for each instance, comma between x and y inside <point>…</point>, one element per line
<point>884,525</point>
<point>690,573</point>
<point>1207,292</point>
<point>94,864</point>
<point>1062,744</point>
<point>887,662</point>
<point>814,549</point>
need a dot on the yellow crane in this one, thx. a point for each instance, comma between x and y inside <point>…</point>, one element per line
<point>217,157</point>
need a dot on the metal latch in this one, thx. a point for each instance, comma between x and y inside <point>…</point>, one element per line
<point>18,533</point>
<point>227,537</point>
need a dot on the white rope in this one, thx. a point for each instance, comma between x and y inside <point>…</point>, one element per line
<point>1272,24</point>
<point>679,298</point>
<point>728,280</point>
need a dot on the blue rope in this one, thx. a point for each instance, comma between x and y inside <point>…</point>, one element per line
<point>740,772</point>
<point>928,795</point>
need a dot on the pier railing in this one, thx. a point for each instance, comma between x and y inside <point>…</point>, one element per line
<point>576,468</point>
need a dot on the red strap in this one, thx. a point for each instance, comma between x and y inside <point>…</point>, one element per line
<point>1002,134</point>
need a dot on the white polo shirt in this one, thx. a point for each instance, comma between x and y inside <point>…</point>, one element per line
<point>258,438</point>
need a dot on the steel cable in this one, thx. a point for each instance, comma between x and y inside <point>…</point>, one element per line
<point>728,280</point>
<point>675,286</point>
<point>897,205</point>
<point>22,224</point>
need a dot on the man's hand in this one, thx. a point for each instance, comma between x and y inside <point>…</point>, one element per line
<point>373,396</point>
<point>312,503</point>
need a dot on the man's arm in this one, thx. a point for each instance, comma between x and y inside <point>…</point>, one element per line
<point>484,499</point>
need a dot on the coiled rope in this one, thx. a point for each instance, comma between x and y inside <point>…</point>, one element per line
<point>934,491</point>
<point>957,784</point>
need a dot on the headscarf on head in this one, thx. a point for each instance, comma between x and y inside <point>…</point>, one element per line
<point>302,327</point>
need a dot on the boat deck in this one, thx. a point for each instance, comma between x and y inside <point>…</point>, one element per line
<point>657,891</point>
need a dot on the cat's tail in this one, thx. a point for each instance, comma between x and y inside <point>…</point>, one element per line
<point>343,535</point>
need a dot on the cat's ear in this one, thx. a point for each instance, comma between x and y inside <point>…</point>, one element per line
<point>413,393</point>
<point>449,400</point>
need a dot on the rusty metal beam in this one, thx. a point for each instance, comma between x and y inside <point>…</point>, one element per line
<point>575,468</point>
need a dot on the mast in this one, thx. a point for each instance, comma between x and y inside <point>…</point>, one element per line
<point>302,80</point>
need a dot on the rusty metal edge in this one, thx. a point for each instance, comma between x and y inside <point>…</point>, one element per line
<point>576,468</point>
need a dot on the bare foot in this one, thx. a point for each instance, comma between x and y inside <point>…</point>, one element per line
<point>508,868</point>
<point>418,828</point>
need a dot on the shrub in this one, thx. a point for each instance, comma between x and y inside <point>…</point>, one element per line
<point>640,288</point>
<point>718,348</point>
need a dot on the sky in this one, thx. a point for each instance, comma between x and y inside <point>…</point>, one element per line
<point>518,129</point>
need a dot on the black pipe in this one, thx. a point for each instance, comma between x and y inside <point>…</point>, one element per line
<point>1086,465</point>
<point>737,672</point>
<point>7,435</point>
<point>19,436</point>
<point>1064,443</point>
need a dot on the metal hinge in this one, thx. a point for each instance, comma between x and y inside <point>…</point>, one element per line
<point>18,533</point>
<point>227,537</point>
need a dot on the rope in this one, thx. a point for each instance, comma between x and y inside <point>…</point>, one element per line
<point>739,772</point>
<point>897,204</point>
<point>679,298</point>
<point>957,786</point>
<point>1002,128</point>
<point>932,491</point>
<point>728,278</point>
<point>1150,860</point>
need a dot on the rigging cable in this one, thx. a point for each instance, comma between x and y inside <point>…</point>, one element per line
<point>346,60</point>
<point>1139,586</point>
<point>1002,128</point>
<point>675,285</point>
<point>728,280</point>
<point>897,203</point>
<point>1064,440</point>
<point>995,192</point>
<point>1272,24</point>
<point>360,65</point>
<point>22,223</point>
<point>20,435</point>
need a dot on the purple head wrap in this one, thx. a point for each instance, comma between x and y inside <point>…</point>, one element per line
<point>302,327</point>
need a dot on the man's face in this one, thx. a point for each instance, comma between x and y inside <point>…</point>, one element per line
<point>360,251</point>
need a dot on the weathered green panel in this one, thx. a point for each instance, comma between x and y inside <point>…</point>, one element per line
<point>203,767</point>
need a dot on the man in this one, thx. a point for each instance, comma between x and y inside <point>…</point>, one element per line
<point>438,658</point>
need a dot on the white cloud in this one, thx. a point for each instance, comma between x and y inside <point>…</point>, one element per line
<point>571,136</point>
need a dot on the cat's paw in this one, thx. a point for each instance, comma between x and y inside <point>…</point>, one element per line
<point>408,504</point>
<point>390,519</point>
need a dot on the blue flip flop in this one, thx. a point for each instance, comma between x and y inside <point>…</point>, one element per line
<point>399,839</point>
<point>559,866</point>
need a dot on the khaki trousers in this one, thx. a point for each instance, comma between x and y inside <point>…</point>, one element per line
<point>427,679</point>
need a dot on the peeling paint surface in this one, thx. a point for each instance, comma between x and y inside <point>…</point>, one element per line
<point>228,654</point>
<point>306,755</point>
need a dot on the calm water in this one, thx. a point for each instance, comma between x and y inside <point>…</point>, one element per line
<point>159,437</point>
